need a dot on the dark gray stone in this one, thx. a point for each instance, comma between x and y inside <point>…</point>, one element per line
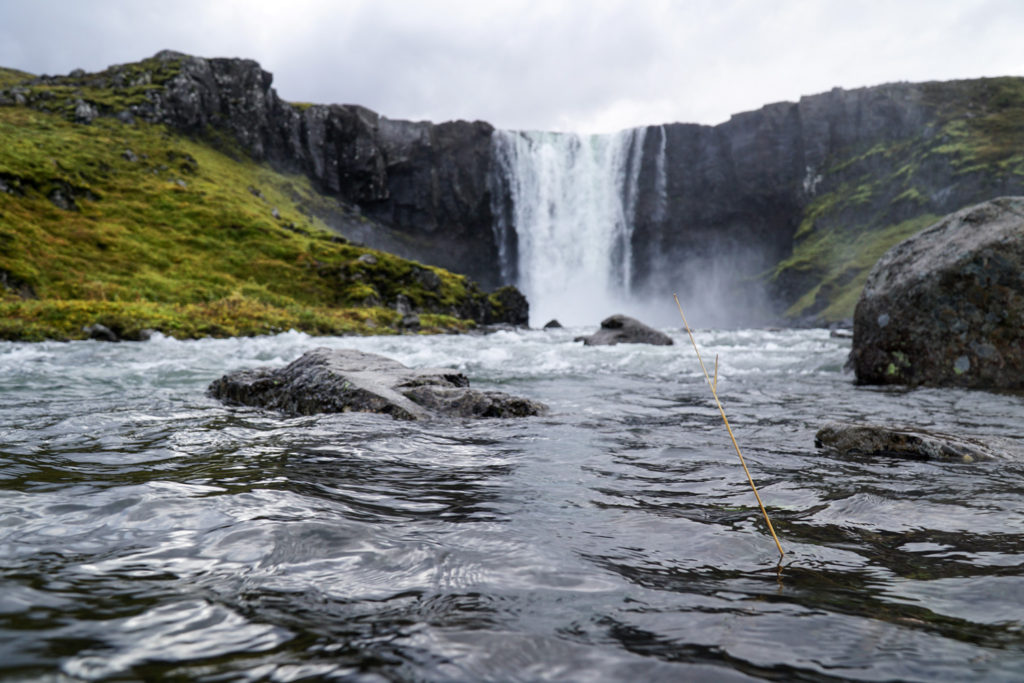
<point>343,380</point>
<point>621,329</point>
<point>410,321</point>
<point>552,325</point>
<point>100,332</point>
<point>913,443</point>
<point>946,306</point>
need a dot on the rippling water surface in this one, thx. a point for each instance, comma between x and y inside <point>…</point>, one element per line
<point>148,532</point>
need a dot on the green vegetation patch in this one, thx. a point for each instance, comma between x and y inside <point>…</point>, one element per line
<point>112,91</point>
<point>844,258</point>
<point>133,225</point>
<point>9,77</point>
<point>982,123</point>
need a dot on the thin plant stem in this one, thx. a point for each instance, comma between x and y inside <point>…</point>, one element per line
<point>714,392</point>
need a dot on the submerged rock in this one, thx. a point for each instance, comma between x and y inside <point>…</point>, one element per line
<point>912,443</point>
<point>621,329</point>
<point>343,380</point>
<point>946,306</point>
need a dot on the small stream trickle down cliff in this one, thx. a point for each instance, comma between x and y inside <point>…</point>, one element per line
<point>565,209</point>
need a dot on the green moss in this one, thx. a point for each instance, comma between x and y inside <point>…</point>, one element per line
<point>845,258</point>
<point>136,227</point>
<point>111,91</point>
<point>910,195</point>
<point>982,123</point>
<point>9,77</point>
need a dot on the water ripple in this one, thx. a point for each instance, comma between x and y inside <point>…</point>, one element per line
<point>149,532</point>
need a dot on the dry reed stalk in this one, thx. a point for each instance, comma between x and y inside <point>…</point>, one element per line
<point>714,392</point>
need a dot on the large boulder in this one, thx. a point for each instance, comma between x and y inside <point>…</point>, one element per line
<point>912,443</point>
<point>343,380</point>
<point>946,306</point>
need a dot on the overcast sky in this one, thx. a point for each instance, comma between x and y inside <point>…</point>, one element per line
<point>589,66</point>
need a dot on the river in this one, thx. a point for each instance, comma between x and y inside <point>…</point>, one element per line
<point>148,532</point>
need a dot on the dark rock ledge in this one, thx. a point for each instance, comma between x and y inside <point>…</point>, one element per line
<point>342,380</point>
<point>913,444</point>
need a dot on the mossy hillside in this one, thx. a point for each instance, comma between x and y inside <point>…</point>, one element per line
<point>982,124</point>
<point>871,198</point>
<point>114,219</point>
<point>110,92</point>
<point>9,77</point>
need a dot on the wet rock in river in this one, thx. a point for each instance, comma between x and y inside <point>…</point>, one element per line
<point>621,329</point>
<point>912,443</point>
<point>946,306</point>
<point>342,380</point>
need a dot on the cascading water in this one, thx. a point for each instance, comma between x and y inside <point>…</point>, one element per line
<point>571,202</point>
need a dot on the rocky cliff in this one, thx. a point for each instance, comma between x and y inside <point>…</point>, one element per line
<point>799,197</point>
<point>132,200</point>
<point>809,194</point>
<point>415,189</point>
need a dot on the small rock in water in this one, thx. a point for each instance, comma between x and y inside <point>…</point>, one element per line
<point>621,329</point>
<point>100,332</point>
<point>552,324</point>
<point>912,443</point>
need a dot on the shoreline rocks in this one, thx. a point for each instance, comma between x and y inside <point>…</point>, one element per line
<point>621,329</point>
<point>344,380</point>
<point>945,307</point>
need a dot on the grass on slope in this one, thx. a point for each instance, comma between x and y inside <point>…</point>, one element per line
<point>133,225</point>
<point>842,261</point>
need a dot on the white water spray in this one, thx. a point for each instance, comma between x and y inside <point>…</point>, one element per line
<point>572,206</point>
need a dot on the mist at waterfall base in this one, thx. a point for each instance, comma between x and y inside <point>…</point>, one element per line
<point>566,206</point>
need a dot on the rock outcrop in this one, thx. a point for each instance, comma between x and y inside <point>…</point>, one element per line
<point>912,443</point>
<point>791,189</point>
<point>621,329</point>
<point>343,380</point>
<point>423,184</point>
<point>946,306</point>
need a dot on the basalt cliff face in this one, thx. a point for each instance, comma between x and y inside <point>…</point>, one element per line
<point>806,196</point>
<point>798,198</point>
<point>415,189</point>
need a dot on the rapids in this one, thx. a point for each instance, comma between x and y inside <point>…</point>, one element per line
<point>148,532</point>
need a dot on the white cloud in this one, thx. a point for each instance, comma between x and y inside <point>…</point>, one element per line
<point>555,65</point>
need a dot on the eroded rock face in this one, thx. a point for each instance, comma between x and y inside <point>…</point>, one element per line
<point>621,329</point>
<point>343,380</point>
<point>946,306</point>
<point>422,179</point>
<point>912,443</point>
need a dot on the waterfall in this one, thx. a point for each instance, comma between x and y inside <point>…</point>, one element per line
<point>660,180</point>
<point>570,201</point>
